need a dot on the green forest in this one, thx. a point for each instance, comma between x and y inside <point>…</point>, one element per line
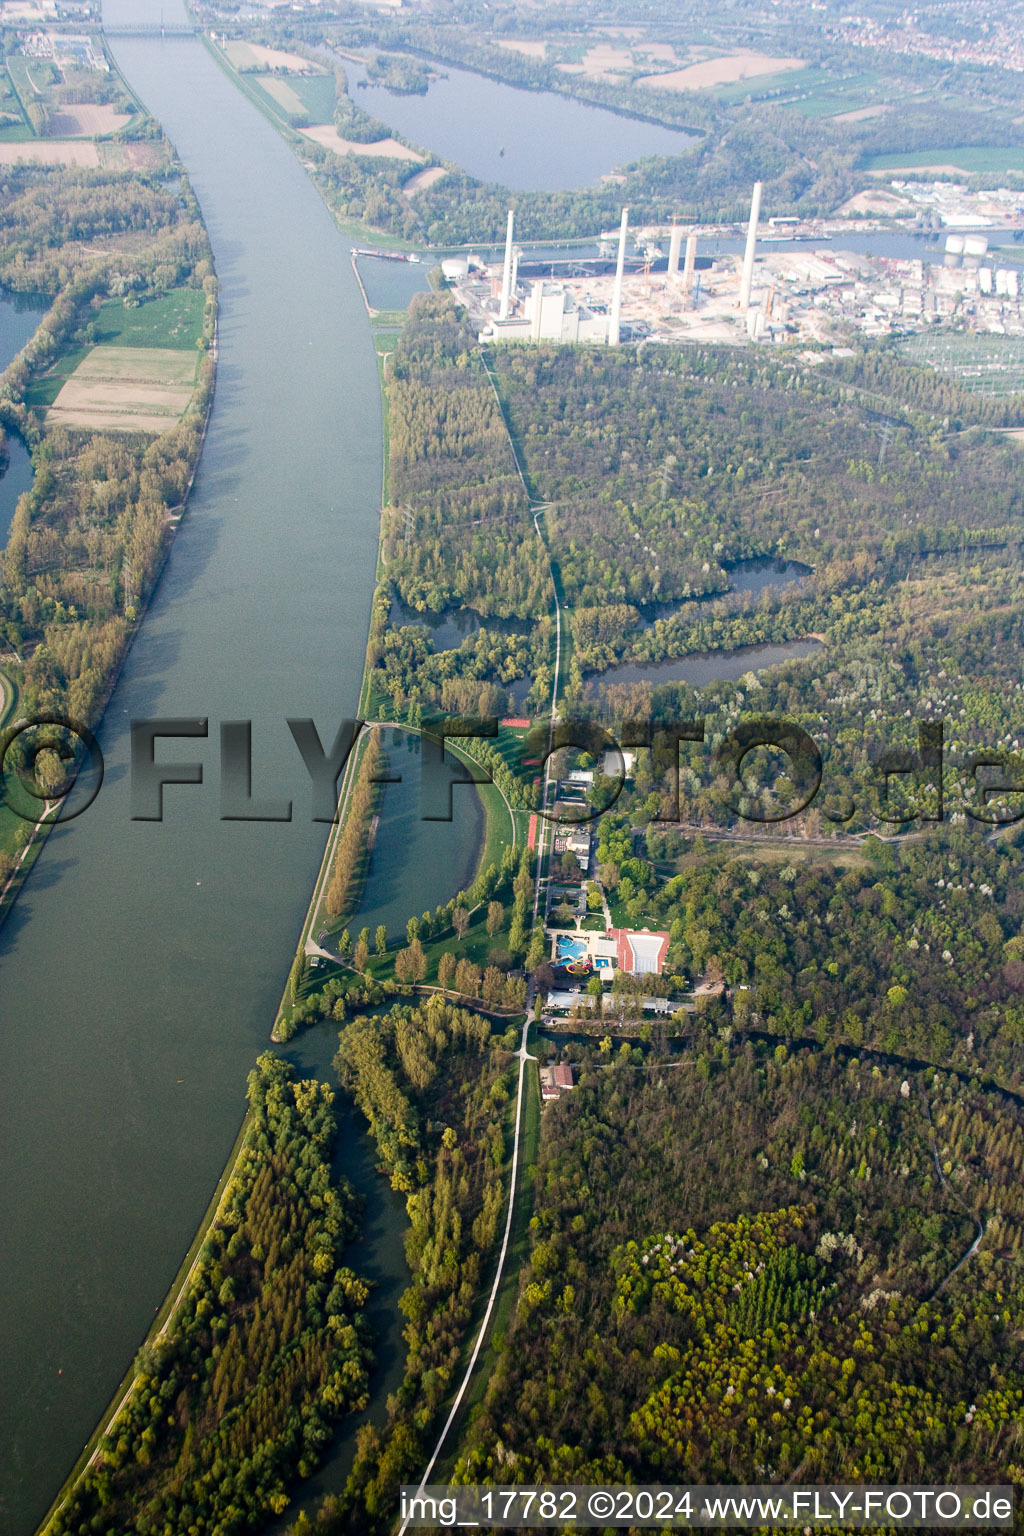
<point>87,542</point>
<point>267,1347</point>
<point>745,1264</point>
<point>650,479</point>
<point>777,1236</point>
<point>434,1085</point>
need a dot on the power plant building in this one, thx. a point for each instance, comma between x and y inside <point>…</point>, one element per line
<point>551,312</point>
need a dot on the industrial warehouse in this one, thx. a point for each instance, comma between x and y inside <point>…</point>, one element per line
<point>814,296</point>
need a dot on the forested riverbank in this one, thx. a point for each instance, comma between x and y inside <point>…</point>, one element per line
<point>171,956</point>
<point>88,540</point>
<point>814,1184</point>
<point>235,1395</point>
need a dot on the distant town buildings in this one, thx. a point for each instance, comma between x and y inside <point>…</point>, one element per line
<point>1001,44</point>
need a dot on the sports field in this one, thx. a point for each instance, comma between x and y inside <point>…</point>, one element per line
<point>126,389</point>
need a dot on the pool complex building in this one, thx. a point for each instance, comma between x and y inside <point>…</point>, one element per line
<point>637,953</point>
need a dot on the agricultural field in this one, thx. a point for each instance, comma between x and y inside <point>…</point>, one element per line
<point>307,97</point>
<point>80,152</point>
<point>173,320</point>
<point>726,70</point>
<point>48,100</point>
<point>989,365</point>
<point>974,159</point>
<point>126,389</point>
<point>254,56</point>
<point>88,120</point>
<point>328,137</point>
<point>850,97</point>
<point>12,119</point>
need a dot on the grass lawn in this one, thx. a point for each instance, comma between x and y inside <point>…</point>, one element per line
<point>42,392</point>
<point>276,97</point>
<point>173,320</point>
<point>823,858</point>
<point>621,920</point>
<point>757,86</point>
<point>31,78</point>
<point>499,828</point>
<point>316,92</point>
<point>476,945</point>
<point>11,102</point>
<point>10,825</point>
<point>385,414</point>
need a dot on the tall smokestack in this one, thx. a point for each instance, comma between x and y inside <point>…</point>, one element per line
<point>506,277</point>
<point>613,322</point>
<point>691,256</point>
<point>675,241</point>
<point>748,255</point>
<point>537,312</point>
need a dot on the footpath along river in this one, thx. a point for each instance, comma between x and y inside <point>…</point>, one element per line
<point>142,965</point>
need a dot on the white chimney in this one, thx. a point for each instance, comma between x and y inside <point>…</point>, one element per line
<point>613,321</point>
<point>537,312</point>
<point>748,255</point>
<point>506,278</point>
<point>691,256</point>
<point>675,241</point>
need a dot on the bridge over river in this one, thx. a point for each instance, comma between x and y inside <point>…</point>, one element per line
<point>151,29</point>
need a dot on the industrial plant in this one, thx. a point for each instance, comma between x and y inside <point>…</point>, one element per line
<point>770,294</point>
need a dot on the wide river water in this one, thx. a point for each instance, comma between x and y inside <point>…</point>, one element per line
<point>142,965</point>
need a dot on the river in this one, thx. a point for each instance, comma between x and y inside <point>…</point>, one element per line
<point>142,965</point>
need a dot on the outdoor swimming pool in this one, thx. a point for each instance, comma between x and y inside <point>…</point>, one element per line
<point>569,949</point>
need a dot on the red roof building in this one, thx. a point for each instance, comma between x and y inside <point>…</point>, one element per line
<point>639,954</point>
